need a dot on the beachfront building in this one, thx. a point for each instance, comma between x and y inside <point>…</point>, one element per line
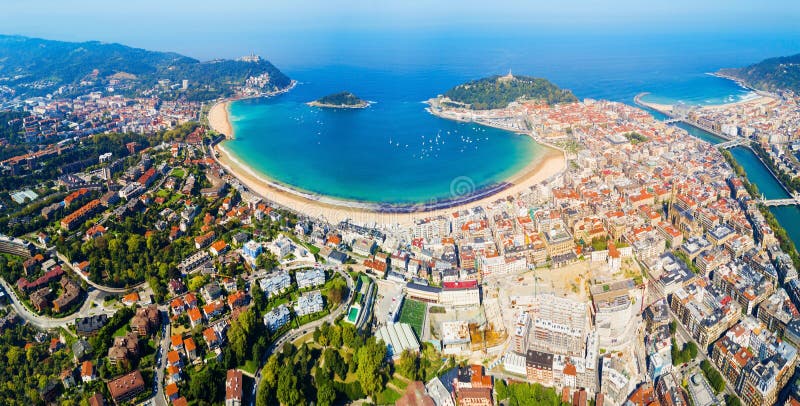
<point>519,340</point>
<point>539,367</point>
<point>755,361</point>
<point>234,388</point>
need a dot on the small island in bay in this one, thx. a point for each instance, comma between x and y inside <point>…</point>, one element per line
<point>497,92</point>
<point>341,100</point>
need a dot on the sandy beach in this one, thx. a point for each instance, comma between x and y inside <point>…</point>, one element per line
<point>334,210</point>
<point>218,118</point>
<point>759,99</point>
<point>667,108</point>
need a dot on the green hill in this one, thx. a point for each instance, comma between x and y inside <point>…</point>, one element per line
<point>782,73</point>
<point>498,91</point>
<point>341,99</point>
<point>36,67</point>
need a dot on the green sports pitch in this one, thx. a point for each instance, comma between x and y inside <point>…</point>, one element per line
<point>413,313</point>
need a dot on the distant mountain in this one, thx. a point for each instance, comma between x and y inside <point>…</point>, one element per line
<point>341,99</point>
<point>782,73</point>
<point>35,67</point>
<point>498,91</point>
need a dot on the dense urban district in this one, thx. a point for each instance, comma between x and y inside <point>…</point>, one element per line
<point>136,270</point>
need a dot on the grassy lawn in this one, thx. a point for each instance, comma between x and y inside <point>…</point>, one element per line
<point>178,173</point>
<point>310,247</point>
<point>413,313</point>
<point>277,301</point>
<point>121,331</point>
<point>311,317</point>
<point>174,198</point>
<point>179,329</point>
<point>387,397</point>
<point>303,338</point>
<point>399,383</point>
<point>250,367</point>
<point>68,336</point>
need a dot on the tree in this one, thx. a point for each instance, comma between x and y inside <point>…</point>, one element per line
<point>501,389</point>
<point>335,336</point>
<point>13,355</point>
<point>326,393</point>
<point>240,335</point>
<point>269,379</point>
<point>334,361</point>
<point>204,383</point>
<point>370,362</point>
<point>259,298</point>
<point>692,348</point>
<point>337,291</point>
<point>408,365</point>
<point>159,290</point>
<point>713,376</point>
<point>732,401</point>
<point>288,392</point>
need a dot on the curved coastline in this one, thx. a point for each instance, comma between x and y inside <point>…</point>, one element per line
<point>331,209</point>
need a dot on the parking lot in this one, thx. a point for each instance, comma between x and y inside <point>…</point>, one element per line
<point>388,292</point>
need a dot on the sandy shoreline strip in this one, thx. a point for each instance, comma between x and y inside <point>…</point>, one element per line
<point>218,119</point>
<point>335,210</point>
<point>667,108</point>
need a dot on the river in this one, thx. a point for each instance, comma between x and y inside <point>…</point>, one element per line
<point>758,174</point>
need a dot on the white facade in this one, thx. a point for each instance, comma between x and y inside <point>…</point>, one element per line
<point>311,278</point>
<point>309,303</point>
<point>275,283</point>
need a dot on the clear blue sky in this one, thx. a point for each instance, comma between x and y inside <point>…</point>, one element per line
<point>205,29</point>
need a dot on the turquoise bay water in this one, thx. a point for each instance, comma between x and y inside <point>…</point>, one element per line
<point>391,152</point>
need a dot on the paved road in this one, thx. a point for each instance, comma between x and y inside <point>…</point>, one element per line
<point>45,322</point>
<point>160,398</point>
<point>296,333</point>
